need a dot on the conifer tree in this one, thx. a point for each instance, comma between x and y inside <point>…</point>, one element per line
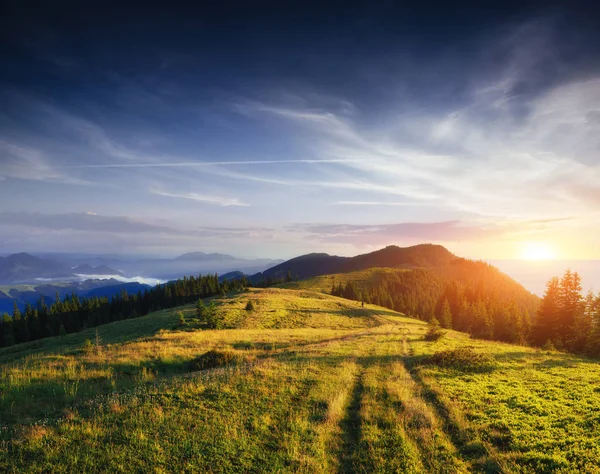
<point>446,317</point>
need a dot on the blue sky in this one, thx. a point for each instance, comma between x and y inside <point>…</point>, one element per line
<point>282,130</point>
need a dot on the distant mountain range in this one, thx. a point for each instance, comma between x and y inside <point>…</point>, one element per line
<point>31,294</point>
<point>24,278</point>
<point>26,268</point>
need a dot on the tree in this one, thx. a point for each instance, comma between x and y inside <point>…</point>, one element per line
<point>546,321</point>
<point>8,337</point>
<point>434,332</point>
<point>249,306</point>
<point>213,319</point>
<point>446,317</point>
<point>571,309</point>
<point>201,310</point>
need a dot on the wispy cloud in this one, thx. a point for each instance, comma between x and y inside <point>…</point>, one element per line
<point>402,233</point>
<point>377,203</point>
<point>22,162</point>
<point>201,164</point>
<point>218,200</point>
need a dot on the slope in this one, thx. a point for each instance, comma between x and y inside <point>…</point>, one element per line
<point>340,389</point>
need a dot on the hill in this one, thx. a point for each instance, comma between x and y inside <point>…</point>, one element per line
<point>314,264</point>
<point>467,295</point>
<point>304,382</point>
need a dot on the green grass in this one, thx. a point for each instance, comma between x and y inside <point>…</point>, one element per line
<point>305,382</point>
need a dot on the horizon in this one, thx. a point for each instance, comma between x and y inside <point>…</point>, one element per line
<point>532,274</point>
<point>273,131</point>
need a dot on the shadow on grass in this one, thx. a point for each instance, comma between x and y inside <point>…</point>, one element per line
<point>351,428</point>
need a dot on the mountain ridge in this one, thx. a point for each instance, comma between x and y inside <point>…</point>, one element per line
<point>392,256</point>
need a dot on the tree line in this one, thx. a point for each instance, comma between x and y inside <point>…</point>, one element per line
<point>73,314</point>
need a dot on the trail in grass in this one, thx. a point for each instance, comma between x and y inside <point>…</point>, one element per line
<point>351,427</point>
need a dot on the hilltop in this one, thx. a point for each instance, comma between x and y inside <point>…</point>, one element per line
<point>303,382</point>
<point>314,264</point>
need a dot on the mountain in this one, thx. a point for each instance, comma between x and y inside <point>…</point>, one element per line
<point>86,269</point>
<point>111,290</point>
<point>232,276</point>
<point>211,257</point>
<point>31,294</point>
<point>23,267</point>
<point>315,264</point>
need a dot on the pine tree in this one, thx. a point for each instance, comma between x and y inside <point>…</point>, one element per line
<point>8,335</point>
<point>446,317</point>
<point>546,322</point>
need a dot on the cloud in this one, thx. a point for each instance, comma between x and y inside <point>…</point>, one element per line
<point>522,141</point>
<point>200,164</point>
<point>375,203</point>
<point>368,235</point>
<point>418,232</point>
<point>116,234</point>
<point>94,223</point>
<point>86,222</point>
<point>221,201</point>
<point>121,278</point>
<point>21,162</point>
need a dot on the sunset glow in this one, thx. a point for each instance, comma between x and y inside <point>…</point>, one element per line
<point>537,251</point>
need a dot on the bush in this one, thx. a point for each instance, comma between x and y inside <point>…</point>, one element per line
<point>464,359</point>
<point>201,310</point>
<point>249,306</point>
<point>548,346</point>
<point>214,358</point>
<point>87,346</point>
<point>213,320</point>
<point>181,319</point>
<point>435,332</point>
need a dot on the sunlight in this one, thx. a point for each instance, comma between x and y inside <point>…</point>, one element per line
<point>537,251</point>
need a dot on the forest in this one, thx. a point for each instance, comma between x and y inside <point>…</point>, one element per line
<point>73,314</point>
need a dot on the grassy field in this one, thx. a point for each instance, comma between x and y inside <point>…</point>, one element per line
<point>305,382</point>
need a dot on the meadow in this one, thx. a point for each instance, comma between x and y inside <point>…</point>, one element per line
<point>303,382</point>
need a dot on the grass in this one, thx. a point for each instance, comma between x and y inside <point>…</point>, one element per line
<point>302,382</point>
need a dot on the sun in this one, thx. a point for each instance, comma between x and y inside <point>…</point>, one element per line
<point>537,251</point>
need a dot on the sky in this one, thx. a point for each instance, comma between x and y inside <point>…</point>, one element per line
<point>277,129</point>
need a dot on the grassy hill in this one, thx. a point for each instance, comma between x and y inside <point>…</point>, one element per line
<point>305,382</point>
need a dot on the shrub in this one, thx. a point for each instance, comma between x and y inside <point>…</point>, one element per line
<point>213,320</point>
<point>201,310</point>
<point>215,358</point>
<point>249,306</point>
<point>87,346</point>
<point>464,359</point>
<point>181,319</point>
<point>548,346</point>
<point>435,332</point>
